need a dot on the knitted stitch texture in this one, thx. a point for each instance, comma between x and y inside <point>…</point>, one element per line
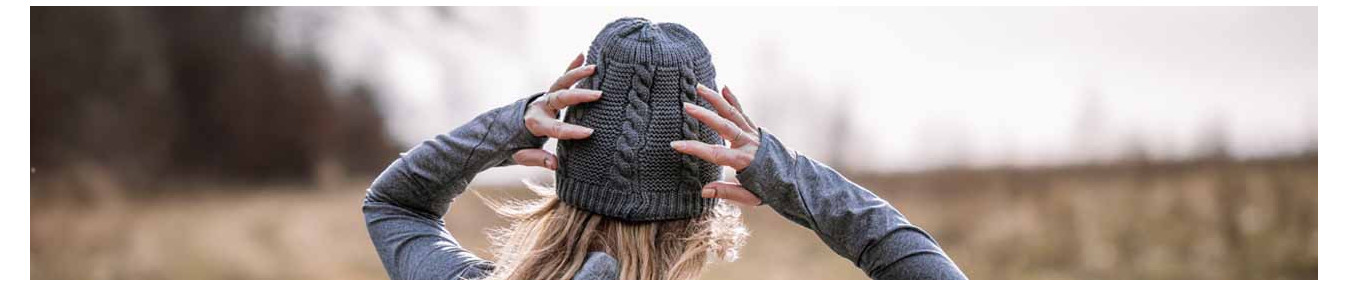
<point>626,168</point>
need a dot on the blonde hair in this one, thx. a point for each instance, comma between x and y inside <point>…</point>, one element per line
<point>549,239</point>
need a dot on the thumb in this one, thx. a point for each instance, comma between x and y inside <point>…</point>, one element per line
<point>732,192</point>
<point>535,157</point>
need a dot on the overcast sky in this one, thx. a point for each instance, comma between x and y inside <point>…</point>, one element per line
<point>917,87</point>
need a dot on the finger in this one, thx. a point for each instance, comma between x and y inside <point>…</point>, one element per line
<point>536,157</point>
<point>717,154</point>
<point>553,128</point>
<point>722,107</point>
<point>566,98</point>
<point>727,129</point>
<point>580,59</point>
<point>735,101</point>
<point>732,192</point>
<point>571,77</point>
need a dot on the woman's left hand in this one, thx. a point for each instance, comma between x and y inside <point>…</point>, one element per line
<point>541,117</point>
<point>740,133</point>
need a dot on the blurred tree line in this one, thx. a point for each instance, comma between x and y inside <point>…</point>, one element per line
<point>150,96</point>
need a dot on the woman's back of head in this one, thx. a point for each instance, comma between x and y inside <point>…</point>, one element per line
<point>623,191</point>
<point>626,168</point>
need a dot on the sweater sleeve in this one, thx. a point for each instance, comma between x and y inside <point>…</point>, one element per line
<point>404,206</point>
<point>851,220</point>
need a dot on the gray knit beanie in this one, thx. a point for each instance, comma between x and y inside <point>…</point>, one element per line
<point>626,169</point>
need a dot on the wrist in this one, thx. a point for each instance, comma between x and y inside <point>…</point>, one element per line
<point>523,137</point>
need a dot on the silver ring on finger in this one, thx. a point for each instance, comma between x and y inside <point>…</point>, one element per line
<point>739,133</point>
<point>548,101</point>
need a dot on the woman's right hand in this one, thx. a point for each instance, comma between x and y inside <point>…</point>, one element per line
<point>732,124</point>
<point>541,116</point>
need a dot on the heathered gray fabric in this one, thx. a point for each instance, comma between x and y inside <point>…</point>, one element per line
<point>404,206</point>
<point>598,266</point>
<point>626,169</point>
<point>851,220</point>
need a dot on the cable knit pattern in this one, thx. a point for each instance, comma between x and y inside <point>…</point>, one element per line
<point>626,169</point>
<point>691,164</point>
<point>633,128</point>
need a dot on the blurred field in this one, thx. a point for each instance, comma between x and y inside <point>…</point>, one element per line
<point>236,142</point>
<point>1201,220</point>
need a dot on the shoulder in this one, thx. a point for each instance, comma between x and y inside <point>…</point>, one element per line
<point>598,266</point>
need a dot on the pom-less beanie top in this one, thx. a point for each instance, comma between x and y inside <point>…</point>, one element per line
<point>626,168</point>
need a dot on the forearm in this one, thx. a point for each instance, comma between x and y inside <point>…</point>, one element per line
<point>404,205</point>
<point>851,220</point>
<point>427,178</point>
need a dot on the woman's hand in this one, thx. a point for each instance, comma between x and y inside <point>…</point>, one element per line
<point>541,117</point>
<point>732,124</point>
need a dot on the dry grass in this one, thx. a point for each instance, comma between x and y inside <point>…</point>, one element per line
<point>1212,220</point>
<point>1255,220</point>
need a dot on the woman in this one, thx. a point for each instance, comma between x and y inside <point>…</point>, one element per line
<point>637,193</point>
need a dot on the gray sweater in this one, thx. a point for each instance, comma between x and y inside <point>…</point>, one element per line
<point>404,206</point>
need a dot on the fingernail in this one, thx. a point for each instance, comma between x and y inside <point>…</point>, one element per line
<point>590,67</point>
<point>701,87</point>
<point>588,131</point>
<point>676,144</point>
<point>708,193</point>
